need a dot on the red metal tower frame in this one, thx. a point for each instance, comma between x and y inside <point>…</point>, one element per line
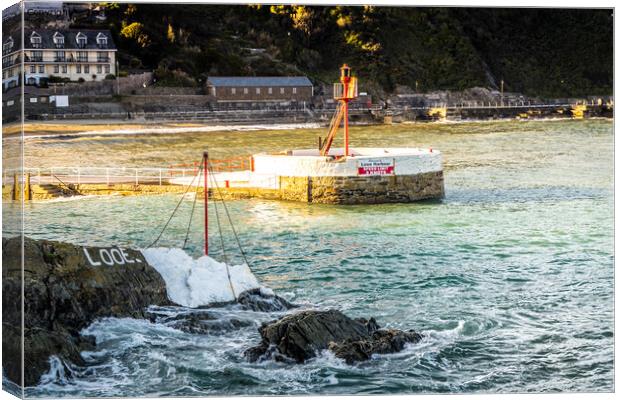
<point>349,92</point>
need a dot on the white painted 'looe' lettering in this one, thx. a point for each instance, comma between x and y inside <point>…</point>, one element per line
<point>111,256</point>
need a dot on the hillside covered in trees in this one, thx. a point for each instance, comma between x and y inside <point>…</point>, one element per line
<point>540,52</point>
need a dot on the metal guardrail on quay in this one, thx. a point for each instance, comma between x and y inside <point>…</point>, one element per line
<point>100,175</point>
<point>119,175</point>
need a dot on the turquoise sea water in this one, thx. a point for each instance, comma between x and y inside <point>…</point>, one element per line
<point>510,277</point>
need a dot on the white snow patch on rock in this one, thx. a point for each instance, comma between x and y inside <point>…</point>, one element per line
<point>195,282</point>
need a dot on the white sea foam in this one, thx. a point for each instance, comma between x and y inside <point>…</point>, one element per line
<point>57,372</point>
<point>195,282</point>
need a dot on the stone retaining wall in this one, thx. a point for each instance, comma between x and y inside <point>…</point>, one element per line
<point>364,189</point>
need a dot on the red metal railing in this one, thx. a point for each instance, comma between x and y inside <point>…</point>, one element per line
<point>179,169</point>
<point>231,164</point>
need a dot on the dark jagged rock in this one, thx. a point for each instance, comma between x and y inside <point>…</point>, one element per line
<point>204,321</point>
<point>301,336</point>
<point>258,300</point>
<point>196,325</point>
<point>380,342</point>
<point>64,292</point>
<point>198,322</point>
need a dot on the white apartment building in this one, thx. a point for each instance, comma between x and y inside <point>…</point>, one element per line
<point>72,54</point>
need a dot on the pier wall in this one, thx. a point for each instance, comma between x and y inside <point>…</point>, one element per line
<point>363,189</point>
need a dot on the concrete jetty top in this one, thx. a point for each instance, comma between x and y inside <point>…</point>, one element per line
<point>361,161</point>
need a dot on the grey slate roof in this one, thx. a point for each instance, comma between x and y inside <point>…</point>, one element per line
<point>255,81</point>
<point>47,36</point>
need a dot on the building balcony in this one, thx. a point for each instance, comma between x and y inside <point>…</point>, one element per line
<point>66,60</point>
<point>6,64</point>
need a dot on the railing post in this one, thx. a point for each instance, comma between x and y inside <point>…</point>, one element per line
<point>16,187</point>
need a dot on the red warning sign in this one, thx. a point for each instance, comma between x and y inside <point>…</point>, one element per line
<point>375,166</point>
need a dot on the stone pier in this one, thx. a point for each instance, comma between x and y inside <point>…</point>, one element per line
<point>366,176</point>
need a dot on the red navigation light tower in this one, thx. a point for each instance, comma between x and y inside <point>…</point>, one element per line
<point>344,92</point>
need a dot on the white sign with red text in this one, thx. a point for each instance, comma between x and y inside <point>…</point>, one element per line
<point>375,166</point>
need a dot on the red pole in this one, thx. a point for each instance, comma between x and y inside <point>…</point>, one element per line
<point>205,160</point>
<point>346,116</point>
<point>346,128</point>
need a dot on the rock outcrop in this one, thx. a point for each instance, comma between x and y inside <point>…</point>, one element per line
<point>298,337</point>
<point>260,300</point>
<point>66,287</point>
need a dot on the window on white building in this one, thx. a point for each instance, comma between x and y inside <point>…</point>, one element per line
<point>64,68</point>
<point>41,69</point>
<point>33,69</point>
<point>59,56</point>
<point>81,40</point>
<point>270,90</point>
<point>78,69</point>
<point>35,40</point>
<point>99,69</point>
<point>59,40</point>
<point>233,90</point>
<point>102,40</point>
<point>294,90</point>
<point>36,55</point>
<point>82,56</point>
<point>56,68</point>
<point>102,56</point>
<point>257,90</point>
<point>281,90</point>
<point>8,45</point>
<point>245,90</point>
<point>107,69</point>
<point>86,69</point>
